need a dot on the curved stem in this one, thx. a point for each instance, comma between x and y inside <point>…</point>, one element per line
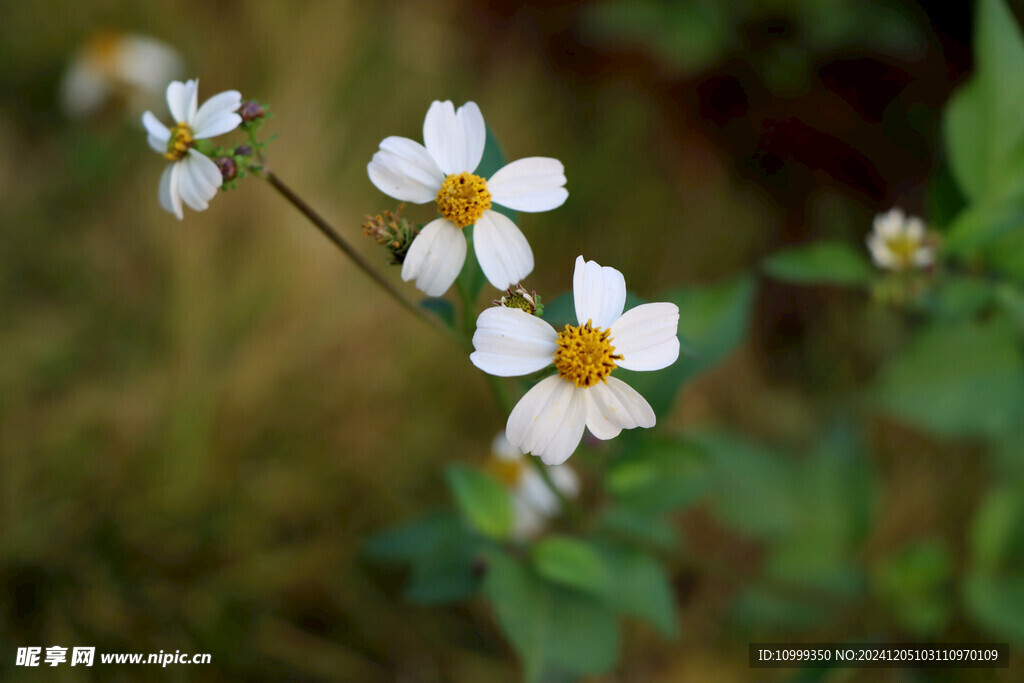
<point>330,233</point>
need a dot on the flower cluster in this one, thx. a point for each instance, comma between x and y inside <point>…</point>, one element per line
<point>192,177</point>
<point>899,242</point>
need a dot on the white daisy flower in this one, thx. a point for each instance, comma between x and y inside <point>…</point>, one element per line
<point>898,242</point>
<point>442,170</point>
<point>533,502</point>
<point>117,65</point>
<point>193,178</point>
<point>548,421</point>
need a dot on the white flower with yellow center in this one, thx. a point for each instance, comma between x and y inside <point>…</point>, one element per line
<point>193,178</point>
<point>125,66</point>
<point>898,242</point>
<point>533,502</point>
<point>442,170</point>
<point>549,420</point>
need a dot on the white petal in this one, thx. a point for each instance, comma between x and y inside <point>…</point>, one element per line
<point>156,129</point>
<point>455,139</point>
<point>403,169</point>
<point>208,169</point>
<point>889,224</point>
<point>598,292</point>
<point>534,492</point>
<point>156,144</point>
<point>879,251</point>
<point>222,103</point>
<point>220,124</point>
<point>197,183</point>
<point>613,405</point>
<point>170,198</point>
<point>502,250</point>
<point>565,480</point>
<point>914,228</point>
<point>503,450</point>
<point>527,521</point>
<point>510,342</point>
<point>82,89</point>
<point>924,256</point>
<point>646,336</point>
<point>548,421</point>
<point>435,257</point>
<point>181,100</point>
<point>531,184</point>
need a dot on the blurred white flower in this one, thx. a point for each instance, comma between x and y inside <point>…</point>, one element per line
<point>533,502</point>
<point>193,177</point>
<point>548,421</point>
<point>442,170</point>
<point>127,66</point>
<point>898,242</point>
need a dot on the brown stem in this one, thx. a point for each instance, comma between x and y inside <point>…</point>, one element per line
<point>332,234</point>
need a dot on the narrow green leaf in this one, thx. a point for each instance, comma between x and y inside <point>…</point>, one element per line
<point>823,263</point>
<point>481,500</point>
<point>571,562</point>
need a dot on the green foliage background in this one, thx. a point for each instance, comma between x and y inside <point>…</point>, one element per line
<point>202,422</point>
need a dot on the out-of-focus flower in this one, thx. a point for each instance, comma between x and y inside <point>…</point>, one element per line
<point>126,66</point>
<point>899,242</point>
<point>193,177</point>
<point>549,420</point>
<point>533,502</point>
<point>442,170</point>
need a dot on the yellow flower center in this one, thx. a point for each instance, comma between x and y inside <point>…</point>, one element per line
<point>181,140</point>
<point>463,198</point>
<point>903,249</point>
<point>508,472</point>
<point>585,355</point>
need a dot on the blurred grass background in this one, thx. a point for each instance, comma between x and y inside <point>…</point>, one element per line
<point>200,420</point>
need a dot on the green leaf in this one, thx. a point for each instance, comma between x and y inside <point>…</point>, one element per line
<point>957,380</point>
<point>404,542</point>
<point>959,298</point>
<point>640,528</point>
<point>713,321</point>
<point>762,608</point>
<point>481,499</point>
<point>916,585</point>
<point>659,475</point>
<point>824,263</point>
<point>447,574</point>
<point>997,533</point>
<point>642,588</point>
<point>571,562</point>
<point>996,603</point>
<point>755,487</point>
<point>442,308</point>
<point>554,631</point>
<point>983,128</point>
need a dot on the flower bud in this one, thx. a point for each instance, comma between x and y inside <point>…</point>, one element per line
<point>228,168</point>
<point>243,151</point>
<point>393,231</point>
<point>518,297</point>
<point>250,111</point>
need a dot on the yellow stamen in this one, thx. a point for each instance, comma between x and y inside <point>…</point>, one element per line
<point>508,472</point>
<point>181,139</point>
<point>903,249</point>
<point>463,198</point>
<point>585,355</point>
